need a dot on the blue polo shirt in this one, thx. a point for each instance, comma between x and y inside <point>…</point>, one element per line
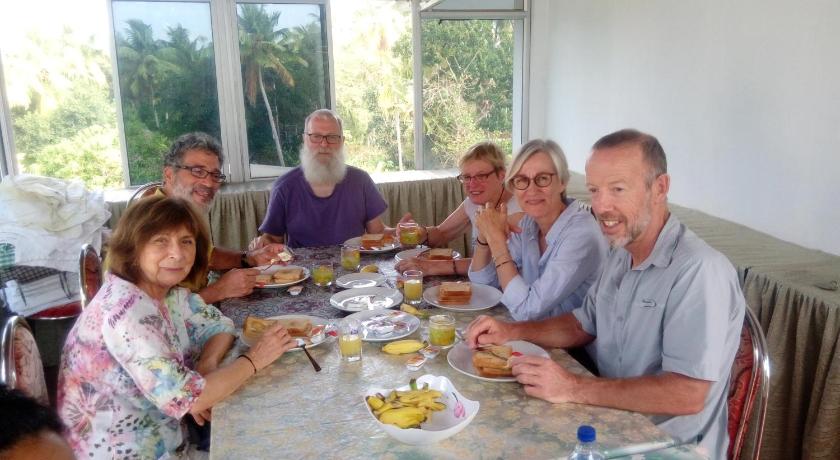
<point>680,311</point>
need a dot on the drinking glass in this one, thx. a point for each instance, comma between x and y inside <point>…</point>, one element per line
<point>350,257</point>
<point>350,339</point>
<point>409,234</point>
<point>413,286</point>
<point>323,273</point>
<point>442,330</point>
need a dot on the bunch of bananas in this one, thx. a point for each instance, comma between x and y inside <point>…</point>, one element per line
<point>405,409</point>
<point>401,347</point>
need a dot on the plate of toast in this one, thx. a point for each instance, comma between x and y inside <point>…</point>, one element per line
<point>374,243</point>
<point>491,362</point>
<point>280,276</point>
<point>462,296</point>
<point>428,254</point>
<point>312,329</point>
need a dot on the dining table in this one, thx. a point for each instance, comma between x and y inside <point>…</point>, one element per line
<point>288,410</point>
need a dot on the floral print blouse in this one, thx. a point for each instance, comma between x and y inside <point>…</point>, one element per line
<point>127,375</point>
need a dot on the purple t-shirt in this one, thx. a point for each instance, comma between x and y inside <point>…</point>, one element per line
<point>308,220</point>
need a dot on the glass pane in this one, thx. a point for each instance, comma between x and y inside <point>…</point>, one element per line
<point>466,5</point>
<point>57,71</point>
<point>467,87</point>
<point>284,60</point>
<point>373,37</point>
<point>167,78</point>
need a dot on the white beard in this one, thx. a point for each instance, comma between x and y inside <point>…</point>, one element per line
<point>316,172</point>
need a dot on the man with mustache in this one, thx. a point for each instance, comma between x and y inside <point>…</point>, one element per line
<point>663,319</point>
<point>192,170</point>
<point>323,201</point>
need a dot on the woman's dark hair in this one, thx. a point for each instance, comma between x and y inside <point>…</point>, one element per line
<point>23,417</point>
<point>149,217</point>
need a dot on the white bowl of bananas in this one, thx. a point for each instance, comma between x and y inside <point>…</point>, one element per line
<point>427,410</point>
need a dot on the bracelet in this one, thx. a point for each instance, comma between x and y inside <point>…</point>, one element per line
<point>479,242</point>
<point>503,262</point>
<point>427,234</point>
<point>243,355</point>
<point>243,260</point>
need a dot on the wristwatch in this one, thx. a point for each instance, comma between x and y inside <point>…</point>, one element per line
<point>243,260</point>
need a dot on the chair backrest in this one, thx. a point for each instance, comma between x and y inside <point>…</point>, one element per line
<point>20,361</point>
<point>90,274</point>
<point>749,390</point>
<point>144,190</point>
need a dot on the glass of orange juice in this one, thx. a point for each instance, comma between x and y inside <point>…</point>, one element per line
<point>350,257</point>
<point>409,234</point>
<point>350,339</point>
<point>413,286</point>
<point>323,273</point>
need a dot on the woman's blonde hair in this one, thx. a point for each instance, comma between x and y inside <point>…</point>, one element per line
<point>486,151</point>
<point>147,218</point>
<point>532,147</point>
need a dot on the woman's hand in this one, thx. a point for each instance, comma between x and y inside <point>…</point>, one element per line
<point>273,343</point>
<point>492,224</point>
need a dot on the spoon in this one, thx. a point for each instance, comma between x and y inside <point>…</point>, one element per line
<point>302,344</point>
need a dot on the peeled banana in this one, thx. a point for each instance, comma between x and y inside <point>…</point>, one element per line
<point>401,347</point>
<point>405,409</point>
<point>412,310</point>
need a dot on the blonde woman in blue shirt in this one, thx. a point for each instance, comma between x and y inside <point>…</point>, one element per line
<point>546,269</point>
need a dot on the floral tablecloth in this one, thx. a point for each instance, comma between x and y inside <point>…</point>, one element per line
<point>289,411</point>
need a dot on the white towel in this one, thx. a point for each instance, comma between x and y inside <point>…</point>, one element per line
<point>51,291</point>
<point>48,220</point>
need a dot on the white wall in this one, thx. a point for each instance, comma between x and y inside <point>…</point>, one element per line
<point>744,97</point>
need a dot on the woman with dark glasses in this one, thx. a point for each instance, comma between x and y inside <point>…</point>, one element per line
<point>546,269</point>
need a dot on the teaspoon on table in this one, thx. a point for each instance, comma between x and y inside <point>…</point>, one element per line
<point>302,345</point>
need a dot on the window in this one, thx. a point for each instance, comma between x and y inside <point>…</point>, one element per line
<point>167,79</point>
<point>415,81</point>
<point>283,55</point>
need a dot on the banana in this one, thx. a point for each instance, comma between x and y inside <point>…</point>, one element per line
<point>411,310</point>
<point>404,417</point>
<point>375,402</point>
<point>406,409</point>
<point>401,347</point>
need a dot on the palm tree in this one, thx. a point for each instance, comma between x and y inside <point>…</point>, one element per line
<point>263,46</point>
<point>141,64</point>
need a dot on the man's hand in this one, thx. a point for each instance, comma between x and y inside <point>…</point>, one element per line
<point>413,263</point>
<point>487,330</point>
<point>263,240</point>
<point>273,343</point>
<point>237,282</point>
<point>265,254</point>
<point>545,379</point>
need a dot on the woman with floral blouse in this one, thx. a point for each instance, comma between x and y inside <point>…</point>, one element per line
<point>146,352</point>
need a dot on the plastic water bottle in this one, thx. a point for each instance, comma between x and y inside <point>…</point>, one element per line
<point>586,448</point>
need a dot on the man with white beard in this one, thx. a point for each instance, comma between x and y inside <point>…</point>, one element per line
<point>192,170</point>
<point>663,319</point>
<point>323,201</point>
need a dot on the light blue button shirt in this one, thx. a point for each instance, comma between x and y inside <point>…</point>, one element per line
<point>681,310</point>
<point>555,282</point>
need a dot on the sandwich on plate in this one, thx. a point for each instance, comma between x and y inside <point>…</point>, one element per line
<point>287,275</point>
<point>455,293</point>
<point>493,361</point>
<point>255,327</point>
<point>439,254</point>
<point>375,240</point>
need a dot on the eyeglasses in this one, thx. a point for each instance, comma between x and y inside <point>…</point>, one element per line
<point>318,138</point>
<point>465,178</point>
<point>540,180</point>
<point>201,173</point>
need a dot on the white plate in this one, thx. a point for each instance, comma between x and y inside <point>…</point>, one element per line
<point>440,425</point>
<point>357,241</point>
<point>483,297</point>
<point>394,317</point>
<point>271,270</point>
<point>409,253</point>
<point>374,298</point>
<point>460,358</point>
<point>315,320</point>
<point>360,280</point>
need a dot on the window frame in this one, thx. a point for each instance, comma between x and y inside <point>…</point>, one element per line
<point>8,160</point>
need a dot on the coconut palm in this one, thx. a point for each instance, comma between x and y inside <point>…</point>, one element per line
<point>141,65</point>
<point>264,47</point>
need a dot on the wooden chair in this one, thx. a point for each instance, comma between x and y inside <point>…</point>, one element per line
<point>90,274</point>
<point>749,390</point>
<point>20,360</point>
